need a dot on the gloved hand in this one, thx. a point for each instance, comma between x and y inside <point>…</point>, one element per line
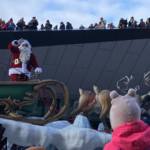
<point>38,70</point>
<point>2,141</point>
<point>20,41</point>
<point>15,43</point>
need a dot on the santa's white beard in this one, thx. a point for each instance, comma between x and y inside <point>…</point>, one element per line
<point>24,54</point>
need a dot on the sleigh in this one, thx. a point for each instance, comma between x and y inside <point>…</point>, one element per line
<point>24,96</point>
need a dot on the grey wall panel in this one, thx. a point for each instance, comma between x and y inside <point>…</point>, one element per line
<point>144,60</point>
<point>124,69</point>
<point>7,78</point>
<point>54,55</point>
<point>63,74</point>
<point>5,60</point>
<point>96,68</point>
<point>70,56</point>
<point>75,80</point>
<point>117,55</point>
<point>137,46</point>
<point>48,71</point>
<point>80,45</point>
<point>2,76</point>
<point>104,80</point>
<point>144,89</point>
<point>40,53</point>
<point>86,55</point>
<point>107,45</point>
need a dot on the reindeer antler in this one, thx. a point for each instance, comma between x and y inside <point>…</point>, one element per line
<point>137,88</point>
<point>146,78</point>
<point>127,83</point>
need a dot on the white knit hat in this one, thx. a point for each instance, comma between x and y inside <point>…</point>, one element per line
<point>124,108</point>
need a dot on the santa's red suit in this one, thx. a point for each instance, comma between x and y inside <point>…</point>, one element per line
<point>21,71</point>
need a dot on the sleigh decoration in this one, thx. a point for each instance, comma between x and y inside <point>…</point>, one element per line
<point>24,96</point>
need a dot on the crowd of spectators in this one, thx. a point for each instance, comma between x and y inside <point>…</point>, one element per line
<point>32,25</point>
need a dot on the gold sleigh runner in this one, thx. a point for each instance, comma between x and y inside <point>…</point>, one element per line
<point>8,101</point>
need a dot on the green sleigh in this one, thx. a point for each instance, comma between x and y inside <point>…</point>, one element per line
<point>24,96</point>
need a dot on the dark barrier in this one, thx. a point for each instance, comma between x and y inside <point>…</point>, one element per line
<point>63,37</point>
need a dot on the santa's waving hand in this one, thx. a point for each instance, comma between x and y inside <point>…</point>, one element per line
<point>23,60</point>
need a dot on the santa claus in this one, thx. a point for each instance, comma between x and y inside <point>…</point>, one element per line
<point>23,60</point>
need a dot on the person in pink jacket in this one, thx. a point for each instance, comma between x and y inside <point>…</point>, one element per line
<point>130,133</point>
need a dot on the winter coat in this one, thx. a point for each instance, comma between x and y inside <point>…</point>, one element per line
<point>62,26</point>
<point>11,27</point>
<point>148,24</point>
<point>102,25</point>
<point>130,136</point>
<point>130,24</point>
<point>69,26</point>
<point>122,24</point>
<point>20,25</point>
<point>33,24</point>
<point>142,24</point>
<point>48,26</point>
<point>3,27</point>
<point>8,23</point>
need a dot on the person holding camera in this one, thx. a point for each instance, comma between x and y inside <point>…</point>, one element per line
<point>20,24</point>
<point>33,23</point>
<point>122,23</point>
<point>102,24</point>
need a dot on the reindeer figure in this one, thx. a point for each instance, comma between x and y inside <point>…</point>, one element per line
<point>99,103</point>
<point>139,99</point>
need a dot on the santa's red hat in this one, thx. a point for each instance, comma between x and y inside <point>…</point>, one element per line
<point>26,42</point>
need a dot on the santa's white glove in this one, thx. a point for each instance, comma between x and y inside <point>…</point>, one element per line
<point>20,41</point>
<point>38,70</point>
<point>15,43</point>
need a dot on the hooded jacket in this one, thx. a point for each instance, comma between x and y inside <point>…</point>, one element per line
<point>130,136</point>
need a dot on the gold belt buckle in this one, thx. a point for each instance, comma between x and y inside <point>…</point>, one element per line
<point>16,61</point>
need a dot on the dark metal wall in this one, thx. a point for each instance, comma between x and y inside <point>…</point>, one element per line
<point>65,37</point>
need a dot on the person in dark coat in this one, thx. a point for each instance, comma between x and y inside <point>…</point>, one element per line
<point>33,23</point>
<point>69,25</point>
<point>141,24</point>
<point>122,23</point>
<point>56,27</point>
<point>134,24</point>
<point>62,26</point>
<point>130,24</point>
<point>48,26</point>
<point>148,22</point>
<point>20,24</point>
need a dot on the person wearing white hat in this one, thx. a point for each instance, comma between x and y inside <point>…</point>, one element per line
<point>23,61</point>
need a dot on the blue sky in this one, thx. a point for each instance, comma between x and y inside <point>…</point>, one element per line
<point>75,11</point>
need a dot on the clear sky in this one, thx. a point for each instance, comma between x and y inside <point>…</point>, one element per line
<point>75,11</point>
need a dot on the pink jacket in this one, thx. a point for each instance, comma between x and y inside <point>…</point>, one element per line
<point>130,136</point>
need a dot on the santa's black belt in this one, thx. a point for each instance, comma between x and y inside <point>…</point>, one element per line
<point>17,61</point>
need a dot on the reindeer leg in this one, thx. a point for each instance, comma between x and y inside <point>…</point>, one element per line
<point>104,113</point>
